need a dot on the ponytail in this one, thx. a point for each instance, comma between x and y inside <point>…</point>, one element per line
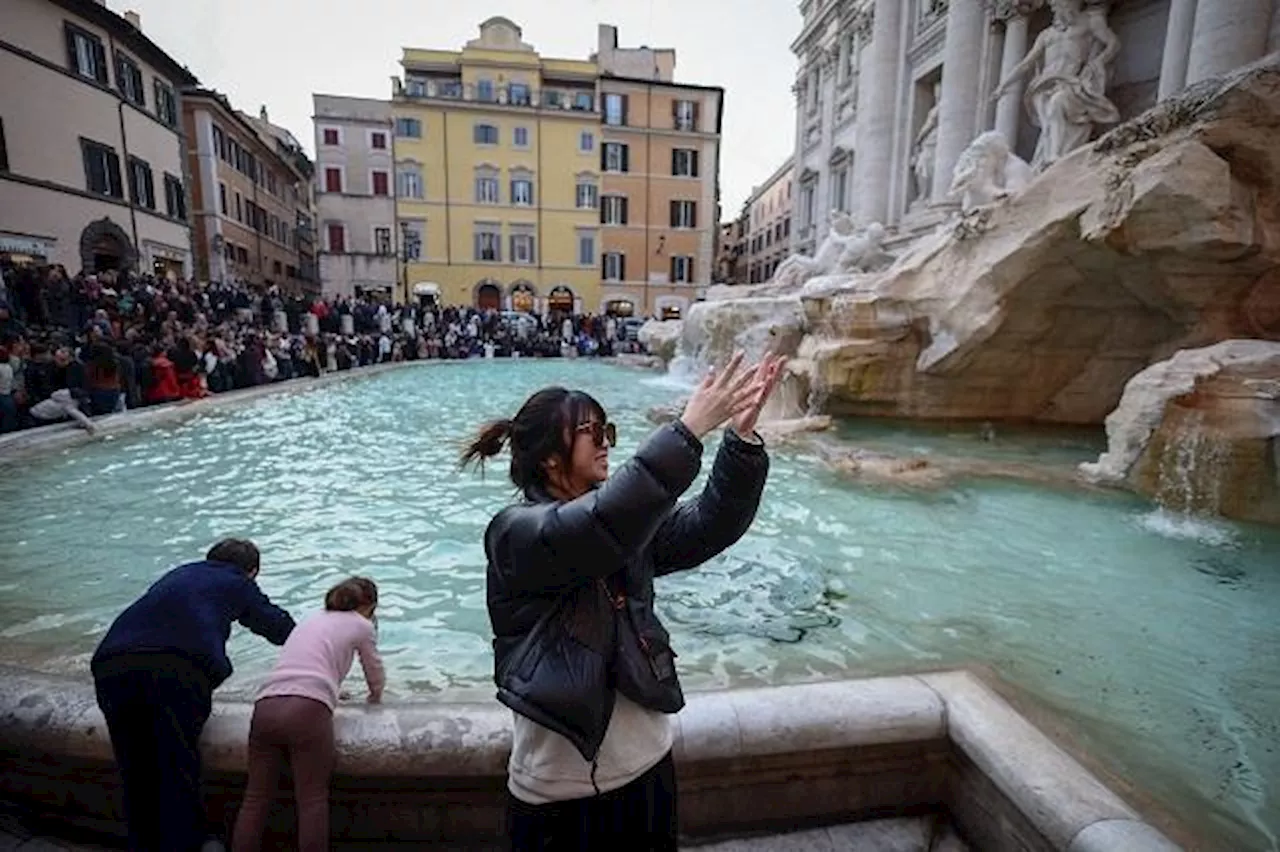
<point>350,595</point>
<point>488,443</point>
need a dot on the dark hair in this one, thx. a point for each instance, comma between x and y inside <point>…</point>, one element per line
<point>351,594</point>
<point>239,552</point>
<point>541,430</point>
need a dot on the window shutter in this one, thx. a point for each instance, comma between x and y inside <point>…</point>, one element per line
<point>693,214</point>
<point>604,266</point>
<point>693,157</point>
<point>626,158</point>
<point>675,213</point>
<point>72,61</point>
<point>675,161</point>
<point>604,205</point>
<point>624,211</point>
<point>675,114</point>
<point>151,191</point>
<point>113,174</point>
<point>533,249</point>
<point>626,102</point>
<point>694,104</point>
<point>604,157</point>
<point>476,240</point>
<point>674,258</point>
<point>622,267</point>
<point>99,62</point>
<point>512,240</point>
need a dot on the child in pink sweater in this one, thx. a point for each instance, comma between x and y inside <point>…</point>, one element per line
<point>293,716</point>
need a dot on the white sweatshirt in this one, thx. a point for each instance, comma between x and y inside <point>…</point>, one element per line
<point>545,767</point>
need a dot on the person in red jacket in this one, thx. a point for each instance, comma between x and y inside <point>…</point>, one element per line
<point>164,378</point>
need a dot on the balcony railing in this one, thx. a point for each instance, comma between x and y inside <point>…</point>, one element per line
<point>512,95</point>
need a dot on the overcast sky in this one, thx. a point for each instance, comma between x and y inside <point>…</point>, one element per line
<point>279,52</point>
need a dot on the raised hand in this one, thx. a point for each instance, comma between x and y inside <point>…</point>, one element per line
<point>766,376</point>
<point>722,395</point>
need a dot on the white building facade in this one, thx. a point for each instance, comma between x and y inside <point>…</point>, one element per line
<point>356,212</point>
<point>91,151</point>
<point>889,93</point>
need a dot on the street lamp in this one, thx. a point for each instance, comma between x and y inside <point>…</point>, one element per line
<point>409,245</point>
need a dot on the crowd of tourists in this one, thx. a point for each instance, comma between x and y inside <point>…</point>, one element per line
<point>591,764</point>
<point>76,347</point>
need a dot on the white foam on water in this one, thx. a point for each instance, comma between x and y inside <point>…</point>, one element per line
<point>1184,527</point>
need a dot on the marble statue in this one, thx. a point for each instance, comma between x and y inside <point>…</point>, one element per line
<point>864,250</point>
<point>846,248</point>
<point>925,149</point>
<point>988,171</point>
<point>1067,92</point>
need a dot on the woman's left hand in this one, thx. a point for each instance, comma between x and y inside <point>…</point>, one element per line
<point>767,375</point>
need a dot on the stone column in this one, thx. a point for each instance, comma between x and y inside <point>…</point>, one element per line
<point>879,82</point>
<point>958,107</point>
<point>1009,107</point>
<point>1177,47</point>
<point>1227,35</point>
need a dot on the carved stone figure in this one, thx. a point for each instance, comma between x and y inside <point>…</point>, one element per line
<point>988,171</point>
<point>845,249</point>
<point>864,251</point>
<point>1067,93</point>
<point>925,150</point>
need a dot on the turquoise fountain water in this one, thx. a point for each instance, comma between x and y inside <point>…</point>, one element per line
<point>1153,637</point>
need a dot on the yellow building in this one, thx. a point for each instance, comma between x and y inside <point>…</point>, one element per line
<point>497,156</point>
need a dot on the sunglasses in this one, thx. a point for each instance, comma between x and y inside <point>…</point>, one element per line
<point>600,432</point>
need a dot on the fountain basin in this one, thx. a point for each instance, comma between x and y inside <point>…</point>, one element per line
<point>749,760</point>
<point>1066,593</point>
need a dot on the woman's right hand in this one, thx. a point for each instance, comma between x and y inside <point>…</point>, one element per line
<point>722,395</point>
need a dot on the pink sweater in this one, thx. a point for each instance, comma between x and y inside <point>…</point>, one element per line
<point>318,655</point>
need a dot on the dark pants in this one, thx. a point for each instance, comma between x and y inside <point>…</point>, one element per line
<point>639,816</point>
<point>156,706</point>
<point>301,731</point>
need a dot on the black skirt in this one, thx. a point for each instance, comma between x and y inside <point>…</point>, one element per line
<point>638,816</point>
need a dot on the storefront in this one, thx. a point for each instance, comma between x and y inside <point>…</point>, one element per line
<point>620,308</point>
<point>560,300</point>
<point>165,262</point>
<point>523,297</point>
<point>427,294</point>
<point>23,249</point>
<point>488,296</point>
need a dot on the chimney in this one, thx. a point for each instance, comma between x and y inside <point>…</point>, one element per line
<point>262,114</point>
<point>134,19</point>
<point>607,37</point>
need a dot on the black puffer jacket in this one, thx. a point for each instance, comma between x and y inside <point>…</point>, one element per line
<point>571,572</point>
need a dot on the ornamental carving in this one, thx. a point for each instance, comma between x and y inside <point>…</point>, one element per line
<point>931,11</point>
<point>1003,10</point>
<point>863,24</point>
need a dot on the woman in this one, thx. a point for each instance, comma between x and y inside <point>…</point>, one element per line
<point>293,716</point>
<point>591,763</point>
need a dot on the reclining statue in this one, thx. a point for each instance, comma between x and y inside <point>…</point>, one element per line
<point>988,171</point>
<point>845,249</point>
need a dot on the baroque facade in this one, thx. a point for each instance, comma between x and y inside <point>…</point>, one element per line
<point>890,93</point>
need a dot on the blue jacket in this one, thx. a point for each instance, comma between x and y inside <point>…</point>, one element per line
<point>189,612</point>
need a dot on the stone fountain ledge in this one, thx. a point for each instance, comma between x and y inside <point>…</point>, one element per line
<point>60,436</point>
<point>750,760</point>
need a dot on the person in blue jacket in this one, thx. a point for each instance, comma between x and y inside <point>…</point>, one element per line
<point>155,672</point>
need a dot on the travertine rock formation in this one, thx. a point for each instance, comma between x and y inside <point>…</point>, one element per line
<point>1200,432</point>
<point>660,338</point>
<point>1163,235</point>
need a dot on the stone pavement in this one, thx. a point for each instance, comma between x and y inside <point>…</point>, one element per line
<point>890,835</point>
